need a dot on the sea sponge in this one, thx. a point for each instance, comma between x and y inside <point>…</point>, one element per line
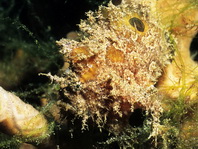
<point>19,118</point>
<point>179,82</point>
<point>113,68</point>
<point>180,78</point>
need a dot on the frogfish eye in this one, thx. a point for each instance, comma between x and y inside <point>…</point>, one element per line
<point>116,2</point>
<point>137,23</point>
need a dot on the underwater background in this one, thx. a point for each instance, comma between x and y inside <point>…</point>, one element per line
<point>29,30</point>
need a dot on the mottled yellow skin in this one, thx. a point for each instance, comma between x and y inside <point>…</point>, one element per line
<point>132,55</point>
<point>122,53</point>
